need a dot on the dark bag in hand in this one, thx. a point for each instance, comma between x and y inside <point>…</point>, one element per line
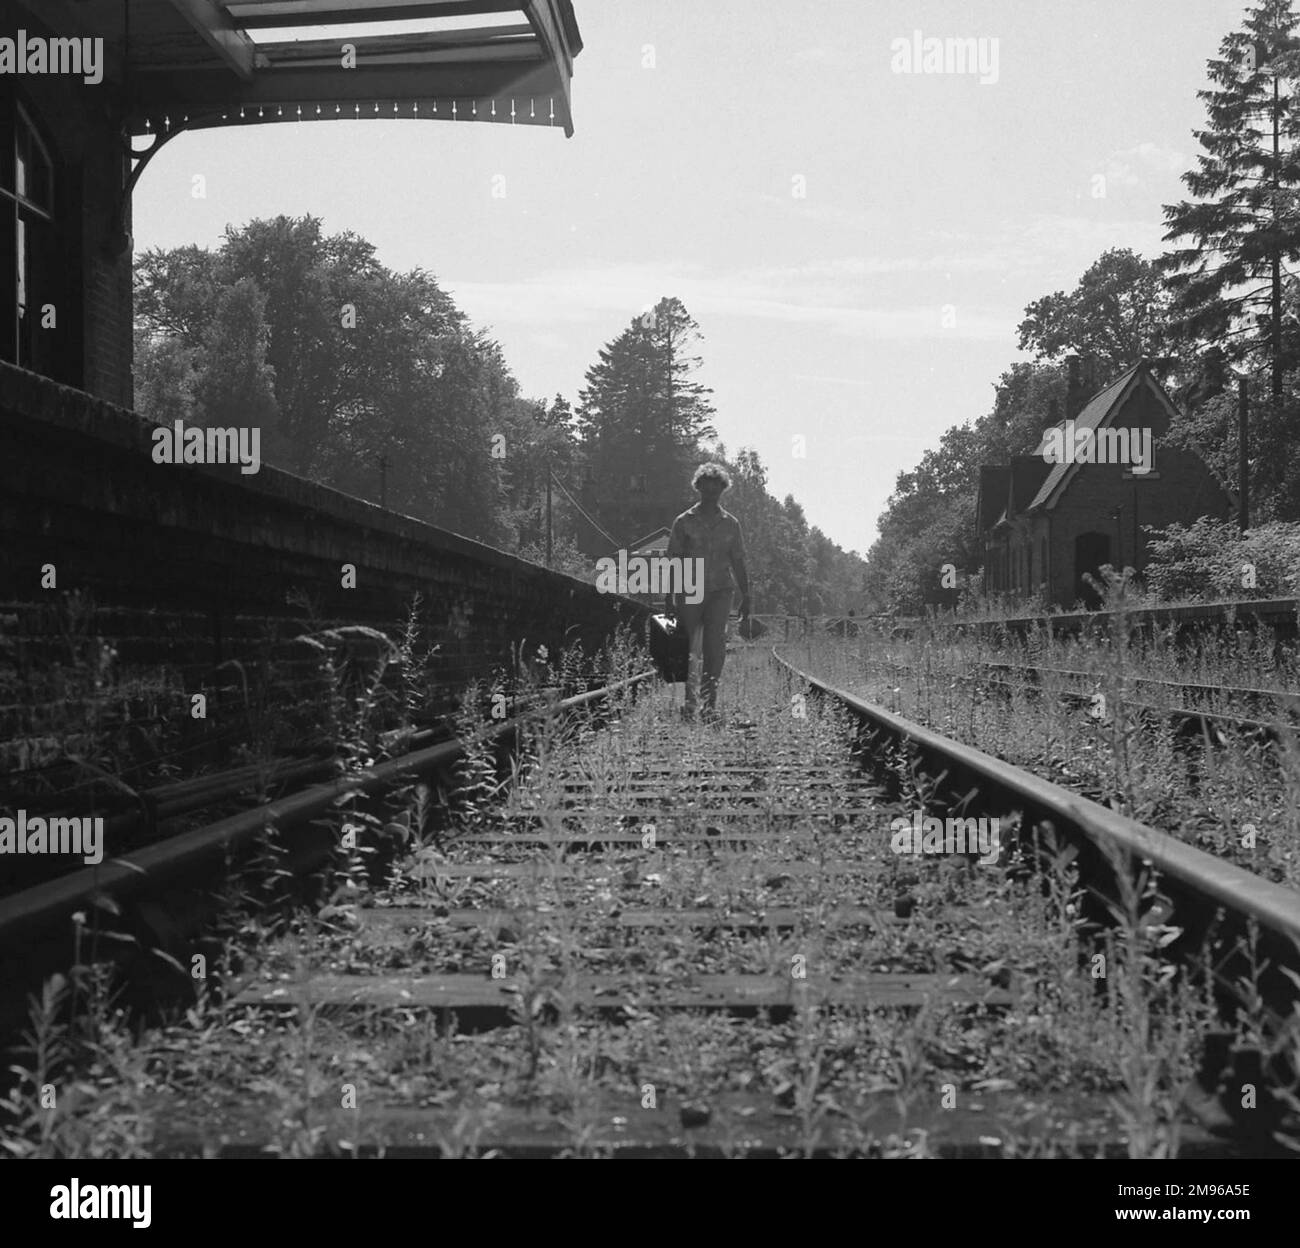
<point>752,629</point>
<point>670,647</point>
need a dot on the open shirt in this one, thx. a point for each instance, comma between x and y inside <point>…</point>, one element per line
<point>716,539</point>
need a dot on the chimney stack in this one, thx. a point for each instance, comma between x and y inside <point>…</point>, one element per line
<point>1075,397</point>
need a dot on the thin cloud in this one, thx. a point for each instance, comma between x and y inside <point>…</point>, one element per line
<point>819,55</point>
<point>830,380</point>
<point>822,213</point>
<point>583,296</point>
<point>1144,163</point>
<point>877,266</point>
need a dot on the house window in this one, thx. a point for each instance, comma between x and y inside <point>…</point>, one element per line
<point>28,260</point>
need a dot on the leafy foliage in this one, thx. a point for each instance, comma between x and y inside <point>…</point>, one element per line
<point>794,569</point>
<point>1211,558</point>
<point>930,518</point>
<point>374,382</point>
<point>361,378</point>
<point>1115,317</point>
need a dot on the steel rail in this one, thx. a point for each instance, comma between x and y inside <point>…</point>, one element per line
<point>50,905</point>
<point>1285,698</point>
<point>152,806</point>
<point>1268,730</point>
<point>1032,671</point>
<point>1268,610</point>
<point>1274,907</point>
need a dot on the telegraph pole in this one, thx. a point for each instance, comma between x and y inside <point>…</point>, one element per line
<point>549,530</point>
<point>1243,457</point>
<point>1275,329</point>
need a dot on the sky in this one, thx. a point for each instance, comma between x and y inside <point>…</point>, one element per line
<point>857,243</point>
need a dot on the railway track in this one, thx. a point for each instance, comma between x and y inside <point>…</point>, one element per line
<point>124,748</point>
<point>150,816</point>
<point>669,939</point>
<point>1274,615</point>
<point>655,873</point>
<point>1186,705</point>
<point>1267,708</point>
<point>153,901</point>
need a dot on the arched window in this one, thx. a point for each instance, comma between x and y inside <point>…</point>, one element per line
<point>28,261</point>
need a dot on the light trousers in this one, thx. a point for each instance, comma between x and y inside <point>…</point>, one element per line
<point>706,626</point>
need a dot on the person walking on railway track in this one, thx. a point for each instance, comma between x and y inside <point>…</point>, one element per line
<point>711,534</point>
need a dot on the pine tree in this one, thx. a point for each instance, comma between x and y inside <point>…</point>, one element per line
<point>641,418</point>
<point>1228,285</point>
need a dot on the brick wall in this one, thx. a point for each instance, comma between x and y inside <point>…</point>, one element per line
<point>189,567</point>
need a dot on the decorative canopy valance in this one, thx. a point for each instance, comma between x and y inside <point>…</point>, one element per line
<point>193,64</point>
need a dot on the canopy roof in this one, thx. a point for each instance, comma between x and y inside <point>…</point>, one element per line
<point>203,63</point>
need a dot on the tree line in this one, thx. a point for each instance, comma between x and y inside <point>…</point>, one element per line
<point>375,383</point>
<point>1219,305</point>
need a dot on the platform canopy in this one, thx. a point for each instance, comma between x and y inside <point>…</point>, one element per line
<point>203,63</point>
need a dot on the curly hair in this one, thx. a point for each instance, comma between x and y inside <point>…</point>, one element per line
<point>716,471</point>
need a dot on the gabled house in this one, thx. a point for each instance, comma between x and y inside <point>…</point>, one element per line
<point>655,543</point>
<point>1080,499</point>
<point>651,546</point>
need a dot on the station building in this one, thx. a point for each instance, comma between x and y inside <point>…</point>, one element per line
<point>90,90</point>
<point>1047,520</point>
